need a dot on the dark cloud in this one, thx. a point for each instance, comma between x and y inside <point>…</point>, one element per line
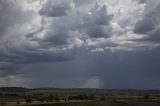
<point>98,15</point>
<point>149,25</point>
<point>11,14</point>
<point>80,43</point>
<point>55,8</point>
<point>127,69</point>
<point>145,26</point>
<point>7,69</point>
<point>97,22</point>
<point>55,37</point>
<point>98,31</point>
<point>24,57</point>
<point>141,1</point>
<point>60,34</point>
<point>117,70</point>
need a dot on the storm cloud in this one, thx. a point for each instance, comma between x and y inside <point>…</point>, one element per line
<point>55,8</point>
<point>86,43</point>
<point>150,23</point>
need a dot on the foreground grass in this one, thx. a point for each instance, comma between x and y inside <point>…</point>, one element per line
<point>89,103</point>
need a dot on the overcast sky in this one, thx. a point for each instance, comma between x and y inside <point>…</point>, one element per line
<point>112,44</point>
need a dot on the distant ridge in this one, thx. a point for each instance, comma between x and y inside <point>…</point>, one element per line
<point>118,91</point>
<point>14,89</point>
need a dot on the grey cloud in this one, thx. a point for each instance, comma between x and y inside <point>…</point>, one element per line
<point>98,15</point>
<point>82,2</point>
<point>16,64</point>
<point>55,8</point>
<point>141,1</point>
<point>11,14</point>
<point>150,23</point>
<point>8,69</point>
<point>53,38</point>
<point>98,31</point>
<point>97,22</point>
<point>137,67</point>
<point>37,55</point>
<point>95,19</point>
<point>141,69</point>
<point>57,37</point>
<point>145,26</point>
<point>56,44</point>
<point>62,32</point>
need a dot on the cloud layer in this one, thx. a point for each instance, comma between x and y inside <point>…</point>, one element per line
<point>40,31</point>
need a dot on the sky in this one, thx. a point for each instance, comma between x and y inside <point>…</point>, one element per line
<point>109,44</point>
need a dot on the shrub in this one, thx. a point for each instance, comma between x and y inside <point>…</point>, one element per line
<point>3,103</point>
<point>103,98</point>
<point>57,99</point>
<point>18,102</point>
<point>28,100</point>
<point>147,96</point>
<point>92,97</point>
<point>50,98</point>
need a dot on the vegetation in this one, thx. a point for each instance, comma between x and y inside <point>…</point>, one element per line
<point>147,96</point>
<point>76,97</point>
<point>18,102</point>
<point>94,103</point>
<point>50,98</point>
<point>3,103</point>
<point>57,99</point>
<point>28,100</point>
<point>103,98</point>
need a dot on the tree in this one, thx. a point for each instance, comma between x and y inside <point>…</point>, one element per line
<point>65,99</point>
<point>41,100</point>
<point>147,96</point>
<point>18,102</point>
<point>50,98</point>
<point>57,99</point>
<point>28,100</point>
<point>103,98</point>
<point>92,97</point>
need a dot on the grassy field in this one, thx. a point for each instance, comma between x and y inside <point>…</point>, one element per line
<point>91,103</point>
<point>77,97</point>
<point>71,103</point>
<point>109,101</point>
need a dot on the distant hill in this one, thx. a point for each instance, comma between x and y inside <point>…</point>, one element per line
<point>14,89</point>
<point>84,90</point>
